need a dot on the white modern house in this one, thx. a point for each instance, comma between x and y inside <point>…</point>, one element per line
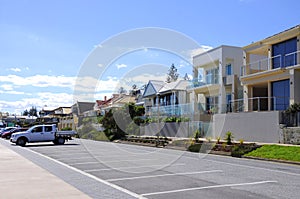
<point>270,77</point>
<point>215,81</point>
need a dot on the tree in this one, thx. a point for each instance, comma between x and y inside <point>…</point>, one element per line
<point>122,90</point>
<point>116,122</point>
<point>172,75</point>
<point>33,111</point>
<point>186,77</point>
<point>25,113</point>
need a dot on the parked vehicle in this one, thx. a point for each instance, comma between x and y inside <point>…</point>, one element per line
<point>6,130</point>
<point>8,134</point>
<point>42,133</point>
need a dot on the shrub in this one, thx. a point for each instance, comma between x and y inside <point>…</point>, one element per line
<point>195,148</point>
<point>229,137</point>
<point>197,135</point>
<point>240,150</point>
<point>67,129</point>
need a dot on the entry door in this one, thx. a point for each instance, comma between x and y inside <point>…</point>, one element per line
<point>37,134</point>
<point>49,133</point>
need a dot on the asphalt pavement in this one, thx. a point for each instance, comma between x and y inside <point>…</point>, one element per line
<point>113,170</point>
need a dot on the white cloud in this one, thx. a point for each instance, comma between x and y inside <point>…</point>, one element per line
<point>39,80</point>
<point>121,66</point>
<point>206,48</point>
<point>39,101</point>
<point>7,87</point>
<point>100,65</point>
<point>15,69</point>
<point>26,68</point>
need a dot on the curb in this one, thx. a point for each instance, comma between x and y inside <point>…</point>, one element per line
<point>271,160</point>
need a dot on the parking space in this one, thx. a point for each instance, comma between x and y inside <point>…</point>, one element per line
<point>161,173</point>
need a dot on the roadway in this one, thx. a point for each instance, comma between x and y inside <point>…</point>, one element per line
<point>114,170</point>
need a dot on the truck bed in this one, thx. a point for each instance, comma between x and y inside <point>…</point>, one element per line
<point>66,133</point>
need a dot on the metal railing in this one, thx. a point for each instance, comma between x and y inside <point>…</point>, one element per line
<point>271,63</point>
<point>259,104</point>
<point>208,80</point>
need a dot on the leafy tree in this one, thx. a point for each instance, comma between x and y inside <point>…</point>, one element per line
<point>186,77</point>
<point>172,75</point>
<point>25,113</point>
<point>122,90</point>
<point>117,122</point>
<point>33,111</point>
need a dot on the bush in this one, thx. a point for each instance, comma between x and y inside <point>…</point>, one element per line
<point>195,148</point>
<point>229,137</point>
<point>67,129</point>
<point>240,150</point>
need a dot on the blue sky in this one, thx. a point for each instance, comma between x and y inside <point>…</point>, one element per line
<point>43,44</point>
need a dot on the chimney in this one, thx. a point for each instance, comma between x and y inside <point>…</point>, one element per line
<point>105,98</point>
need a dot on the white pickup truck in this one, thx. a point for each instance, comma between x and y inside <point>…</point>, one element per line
<point>42,133</point>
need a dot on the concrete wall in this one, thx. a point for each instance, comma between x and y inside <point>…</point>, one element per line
<point>249,126</point>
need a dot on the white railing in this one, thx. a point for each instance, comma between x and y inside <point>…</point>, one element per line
<point>261,65</point>
<point>290,59</point>
<point>266,64</point>
<point>258,104</point>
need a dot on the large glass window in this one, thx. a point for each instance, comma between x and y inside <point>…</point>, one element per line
<point>212,76</point>
<point>281,94</point>
<point>284,53</point>
<point>228,69</point>
<point>212,104</point>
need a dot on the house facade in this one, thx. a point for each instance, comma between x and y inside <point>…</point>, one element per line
<point>166,99</point>
<point>271,72</point>
<point>215,81</point>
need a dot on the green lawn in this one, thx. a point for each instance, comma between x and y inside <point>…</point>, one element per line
<point>291,153</point>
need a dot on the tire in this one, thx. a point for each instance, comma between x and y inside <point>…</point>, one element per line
<point>60,140</point>
<point>21,142</point>
<point>8,137</point>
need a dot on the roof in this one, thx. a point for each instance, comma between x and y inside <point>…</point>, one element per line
<point>276,38</point>
<point>178,85</point>
<point>84,106</point>
<point>153,87</point>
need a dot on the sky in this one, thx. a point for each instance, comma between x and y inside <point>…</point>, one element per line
<point>46,46</point>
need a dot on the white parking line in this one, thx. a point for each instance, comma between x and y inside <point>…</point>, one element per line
<point>208,187</point>
<point>79,163</point>
<point>163,175</point>
<point>90,176</point>
<point>134,167</point>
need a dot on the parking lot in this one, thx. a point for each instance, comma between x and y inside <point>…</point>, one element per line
<point>113,170</point>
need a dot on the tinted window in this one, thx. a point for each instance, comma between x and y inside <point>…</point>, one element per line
<point>283,53</point>
<point>281,94</point>
<point>48,128</point>
<point>38,129</point>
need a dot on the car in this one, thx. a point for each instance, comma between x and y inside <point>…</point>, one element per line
<point>6,130</point>
<point>8,134</point>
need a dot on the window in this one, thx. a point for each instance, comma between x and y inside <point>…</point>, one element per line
<point>212,76</point>
<point>228,102</point>
<point>281,94</point>
<point>228,69</point>
<point>284,53</point>
<point>212,103</point>
<point>48,128</point>
<point>38,129</point>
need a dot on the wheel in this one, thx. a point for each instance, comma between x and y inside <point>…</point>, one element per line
<point>21,142</point>
<point>8,137</point>
<point>60,140</point>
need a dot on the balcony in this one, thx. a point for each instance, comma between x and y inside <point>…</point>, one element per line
<point>258,104</point>
<point>199,82</point>
<point>268,64</point>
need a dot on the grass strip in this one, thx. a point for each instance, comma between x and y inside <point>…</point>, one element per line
<point>290,153</point>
